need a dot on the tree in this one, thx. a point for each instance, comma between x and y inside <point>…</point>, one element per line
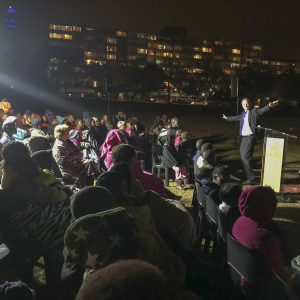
<point>256,83</point>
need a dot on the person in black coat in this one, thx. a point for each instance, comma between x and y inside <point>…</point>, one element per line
<point>249,119</point>
<point>211,181</point>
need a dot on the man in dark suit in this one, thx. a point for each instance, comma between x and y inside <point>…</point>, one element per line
<point>249,119</point>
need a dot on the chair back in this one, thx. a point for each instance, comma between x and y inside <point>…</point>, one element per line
<point>222,228</point>
<point>265,283</point>
<point>212,210</point>
<point>201,197</point>
<point>240,261</point>
<point>194,198</point>
<point>157,153</point>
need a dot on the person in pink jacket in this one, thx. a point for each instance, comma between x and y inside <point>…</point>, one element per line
<point>114,137</point>
<point>149,181</point>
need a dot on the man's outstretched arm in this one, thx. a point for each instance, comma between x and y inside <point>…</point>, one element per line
<point>266,108</point>
<point>230,119</point>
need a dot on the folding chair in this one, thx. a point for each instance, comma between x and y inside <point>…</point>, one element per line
<point>212,226</point>
<point>243,264</point>
<point>201,215</point>
<point>158,165</point>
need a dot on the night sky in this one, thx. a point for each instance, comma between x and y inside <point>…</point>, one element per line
<point>273,23</point>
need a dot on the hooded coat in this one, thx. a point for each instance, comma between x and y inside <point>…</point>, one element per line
<point>257,206</point>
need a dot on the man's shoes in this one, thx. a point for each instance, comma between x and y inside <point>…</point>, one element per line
<point>249,182</point>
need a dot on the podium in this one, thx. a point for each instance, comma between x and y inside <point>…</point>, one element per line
<point>274,158</point>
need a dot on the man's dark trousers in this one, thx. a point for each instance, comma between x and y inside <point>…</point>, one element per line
<point>246,152</point>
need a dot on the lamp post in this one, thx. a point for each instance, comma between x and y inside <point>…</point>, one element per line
<point>106,91</point>
<point>234,87</point>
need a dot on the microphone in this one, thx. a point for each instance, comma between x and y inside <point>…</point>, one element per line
<point>263,128</point>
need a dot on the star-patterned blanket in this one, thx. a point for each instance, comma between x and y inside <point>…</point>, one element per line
<point>96,240</point>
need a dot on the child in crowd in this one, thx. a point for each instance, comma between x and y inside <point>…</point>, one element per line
<point>178,138</point>
<point>174,159</point>
<point>199,143</point>
<point>229,195</point>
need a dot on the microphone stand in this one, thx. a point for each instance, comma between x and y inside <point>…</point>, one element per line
<point>276,132</point>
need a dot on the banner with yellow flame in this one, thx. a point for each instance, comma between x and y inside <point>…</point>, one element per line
<point>274,150</point>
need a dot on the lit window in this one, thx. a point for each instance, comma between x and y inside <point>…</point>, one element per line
<point>141,35</point>
<point>161,47</point>
<point>206,50</point>
<point>236,58</point>
<point>60,36</point>
<point>218,43</point>
<point>196,49</point>
<point>89,54</point>
<point>152,37</point>
<point>111,56</point>
<point>236,51</point>
<point>193,70</point>
<point>63,28</point>
<point>167,54</point>
<point>150,53</point>
<point>111,41</point>
<point>168,84</point>
<point>197,70</point>
<point>77,28</point>
<point>177,55</point>
<point>256,47</point>
<point>121,33</point>
<point>95,62</point>
<point>54,60</point>
<point>265,62</point>
<point>141,51</point>
<point>131,57</point>
<point>227,72</point>
<point>197,56</point>
<point>111,48</point>
<point>152,45</point>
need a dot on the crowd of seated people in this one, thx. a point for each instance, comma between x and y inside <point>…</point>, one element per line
<point>247,215</point>
<point>77,198</point>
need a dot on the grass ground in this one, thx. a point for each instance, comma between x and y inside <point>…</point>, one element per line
<point>211,127</point>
